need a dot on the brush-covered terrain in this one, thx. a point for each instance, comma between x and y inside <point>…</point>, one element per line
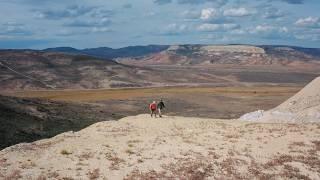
<point>27,120</point>
<point>142,147</point>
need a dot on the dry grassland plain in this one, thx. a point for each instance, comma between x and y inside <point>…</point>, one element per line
<point>213,102</point>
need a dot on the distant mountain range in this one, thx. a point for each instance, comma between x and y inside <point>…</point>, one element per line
<point>229,54</point>
<point>110,53</point>
<point>155,65</point>
<point>138,51</point>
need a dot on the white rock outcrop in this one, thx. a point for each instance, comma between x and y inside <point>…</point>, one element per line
<point>304,107</point>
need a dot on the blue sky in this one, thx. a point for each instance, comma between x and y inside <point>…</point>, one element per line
<point>118,23</point>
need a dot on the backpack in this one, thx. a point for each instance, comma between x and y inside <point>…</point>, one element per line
<point>153,106</point>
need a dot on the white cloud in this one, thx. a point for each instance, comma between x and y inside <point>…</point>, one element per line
<point>268,28</point>
<point>209,13</point>
<point>69,12</point>
<point>310,34</point>
<point>237,12</point>
<point>208,27</point>
<point>308,22</point>
<point>103,22</point>
<point>100,29</point>
<point>175,28</point>
<point>273,13</point>
<point>14,29</point>
<point>269,31</point>
<point>217,27</point>
<point>238,32</point>
<point>312,37</point>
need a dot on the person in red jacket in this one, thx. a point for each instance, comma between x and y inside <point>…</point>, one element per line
<point>153,108</point>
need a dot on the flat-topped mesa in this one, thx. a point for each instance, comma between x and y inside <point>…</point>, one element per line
<point>233,49</point>
<point>209,49</point>
<point>173,48</point>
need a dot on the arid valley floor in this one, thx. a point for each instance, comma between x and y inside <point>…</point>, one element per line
<point>72,116</point>
<point>211,102</point>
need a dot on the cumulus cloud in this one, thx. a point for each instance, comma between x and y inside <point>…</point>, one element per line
<point>217,27</point>
<point>237,12</point>
<point>14,29</point>
<point>294,1</point>
<point>69,12</point>
<point>195,18</point>
<point>215,2</point>
<point>311,22</point>
<point>269,31</point>
<point>209,13</point>
<point>273,13</point>
<point>175,29</point>
<point>312,34</point>
<point>100,29</point>
<point>311,37</point>
<point>102,13</point>
<point>89,23</point>
<point>161,2</point>
<point>269,28</point>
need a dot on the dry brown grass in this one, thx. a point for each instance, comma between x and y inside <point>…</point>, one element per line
<point>138,175</point>
<point>86,155</point>
<point>105,94</point>
<point>67,178</point>
<point>28,165</point>
<point>130,152</point>
<point>115,161</point>
<point>65,152</point>
<point>134,141</point>
<point>3,162</point>
<point>94,174</point>
<point>278,161</point>
<point>317,145</point>
<point>53,175</point>
<point>301,144</point>
<point>15,174</point>
<point>233,136</point>
<point>42,177</point>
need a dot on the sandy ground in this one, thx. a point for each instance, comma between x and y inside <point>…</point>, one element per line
<point>141,147</point>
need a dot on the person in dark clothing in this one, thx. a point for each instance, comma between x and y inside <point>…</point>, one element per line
<point>160,106</point>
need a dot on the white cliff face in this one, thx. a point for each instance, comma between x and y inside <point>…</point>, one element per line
<point>304,107</point>
<point>173,48</point>
<point>234,49</point>
<point>214,49</point>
